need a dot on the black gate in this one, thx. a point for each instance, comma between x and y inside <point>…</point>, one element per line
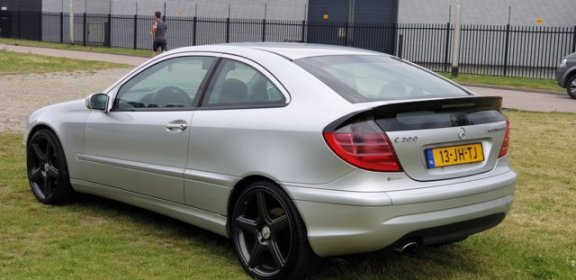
<point>5,24</point>
<point>21,19</point>
<point>369,24</point>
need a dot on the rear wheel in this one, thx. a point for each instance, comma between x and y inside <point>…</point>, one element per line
<point>269,235</point>
<point>47,169</point>
<point>571,86</point>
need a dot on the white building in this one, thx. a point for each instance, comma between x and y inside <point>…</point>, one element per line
<point>491,12</point>
<point>248,9</point>
<point>488,12</point>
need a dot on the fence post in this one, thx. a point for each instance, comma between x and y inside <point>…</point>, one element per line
<point>400,45</point>
<point>303,31</point>
<point>347,28</point>
<point>61,27</point>
<point>85,29</point>
<point>194,28</point>
<point>506,49</point>
<point>574,40</point>
<point>228,30</point>
<point>447,47</point>
<point>135,31</point>
<point>264,30</point>
<point>19,14</point>
<point>41,25</point>
<point>108,35</point>
<point>393,29</point>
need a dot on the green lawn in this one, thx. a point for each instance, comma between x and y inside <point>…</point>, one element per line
<point>19,63</point>
<point>41,44</point>
<point>96,238</point>
<point>508,82</point>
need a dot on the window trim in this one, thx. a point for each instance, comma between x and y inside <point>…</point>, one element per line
<point>255,105</point>
<point>196,105</point>
<point>138,71</point>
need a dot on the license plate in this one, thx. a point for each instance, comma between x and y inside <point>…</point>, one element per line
<point>454,155</point>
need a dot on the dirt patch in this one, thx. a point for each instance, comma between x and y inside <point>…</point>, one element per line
<point>23,93</point>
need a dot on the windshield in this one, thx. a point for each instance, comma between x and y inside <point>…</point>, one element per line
<point>369,78</point>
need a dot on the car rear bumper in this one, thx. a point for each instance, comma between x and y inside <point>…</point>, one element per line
<point>353,222</point>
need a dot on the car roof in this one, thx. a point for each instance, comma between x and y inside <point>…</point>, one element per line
<point>290,51</point>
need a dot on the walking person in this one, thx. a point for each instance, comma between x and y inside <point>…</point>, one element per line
<point>159,29</point>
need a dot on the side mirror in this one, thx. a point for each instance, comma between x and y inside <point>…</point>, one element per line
<point>98,101</point>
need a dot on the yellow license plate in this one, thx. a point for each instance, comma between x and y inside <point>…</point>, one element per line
<point>454,155</point>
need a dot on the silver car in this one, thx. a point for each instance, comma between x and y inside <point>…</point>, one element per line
<point>566,74</point>
<point>291,150</point>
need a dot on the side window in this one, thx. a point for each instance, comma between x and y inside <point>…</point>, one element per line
<point>236,83</point>
<point>172,83</point>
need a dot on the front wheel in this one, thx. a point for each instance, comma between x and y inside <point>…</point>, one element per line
<point>269,235</point>
<point>47,169</point>
<point>571,86</point>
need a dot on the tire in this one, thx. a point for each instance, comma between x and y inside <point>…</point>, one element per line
<point>47,169</point>
<point>571,86</point>
<point>269,236</point>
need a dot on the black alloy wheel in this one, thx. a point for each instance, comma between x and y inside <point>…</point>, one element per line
<point>571,86</point>
<point>269,236</point>
<point>47,169</point>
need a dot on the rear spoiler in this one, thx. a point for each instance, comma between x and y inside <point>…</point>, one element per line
<point>444,105</point>
<point>472,103</point>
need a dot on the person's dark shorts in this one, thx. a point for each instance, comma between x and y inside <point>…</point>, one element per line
<point>159,45</point>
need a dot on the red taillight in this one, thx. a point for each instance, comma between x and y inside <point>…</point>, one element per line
<point>364,145</point>
<point>506,142</point>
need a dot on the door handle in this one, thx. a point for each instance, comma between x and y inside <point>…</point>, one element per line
<point>176,126</point>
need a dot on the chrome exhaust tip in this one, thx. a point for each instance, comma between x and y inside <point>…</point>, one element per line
<point>410,248</point>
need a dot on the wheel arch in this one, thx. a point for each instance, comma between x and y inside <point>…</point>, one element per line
<point>241,185</point>
<point>64,192</point>
<point>38,128</point>
<point>297,252</point>
<point>570,74</point>
<point>42,126</point>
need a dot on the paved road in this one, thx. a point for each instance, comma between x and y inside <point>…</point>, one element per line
<point>531,101</point>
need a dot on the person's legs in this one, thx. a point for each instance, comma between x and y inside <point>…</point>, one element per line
<point>155,47</point>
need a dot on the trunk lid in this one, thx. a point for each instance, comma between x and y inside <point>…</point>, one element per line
<point>445,138</point>
<point>439,139</point>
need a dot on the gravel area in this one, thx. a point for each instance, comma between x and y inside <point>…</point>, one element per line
<point>22,94</point>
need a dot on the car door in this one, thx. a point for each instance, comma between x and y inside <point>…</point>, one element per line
<point>140,145</point>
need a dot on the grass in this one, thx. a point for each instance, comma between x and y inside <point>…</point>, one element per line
<point>70,47</point>
<point>96,238</point>
<point>18,63</point>
<point>506,82</point>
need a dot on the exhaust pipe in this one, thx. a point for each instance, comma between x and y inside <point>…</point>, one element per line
<point>409,248</point>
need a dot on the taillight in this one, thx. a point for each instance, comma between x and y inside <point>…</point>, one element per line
<point>364,145</point>
<point>506,142</point>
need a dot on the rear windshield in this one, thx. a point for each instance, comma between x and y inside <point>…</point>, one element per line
<point>369,78</point>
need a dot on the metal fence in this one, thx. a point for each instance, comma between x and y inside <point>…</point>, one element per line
<point>134,31</point>
<point>378,37</point>
<point>500,50</point>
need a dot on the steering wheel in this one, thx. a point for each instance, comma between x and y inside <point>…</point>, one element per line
<point>171,96</point>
